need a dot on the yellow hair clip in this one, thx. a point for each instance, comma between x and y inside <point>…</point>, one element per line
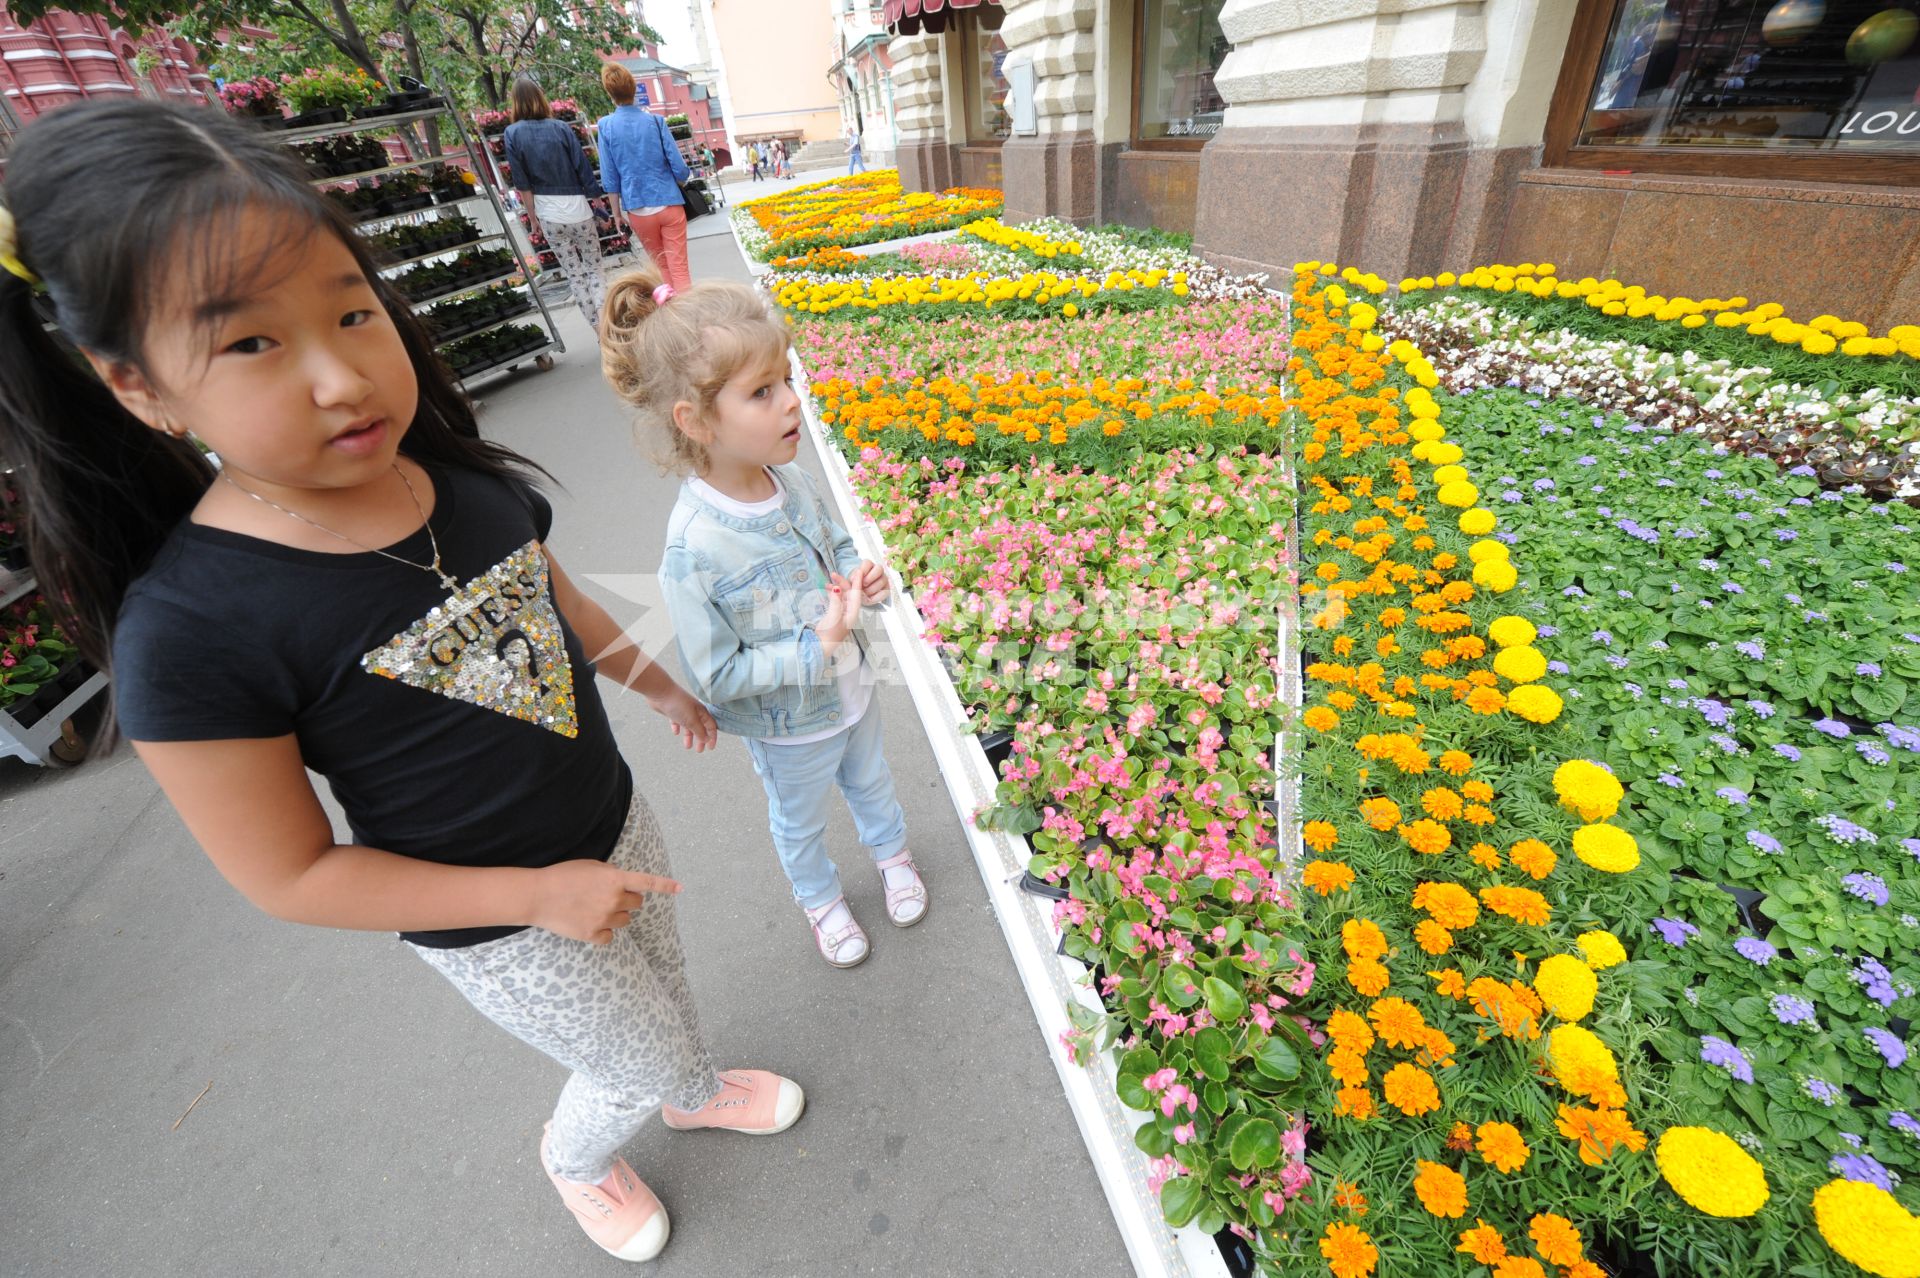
<point>10,251</point>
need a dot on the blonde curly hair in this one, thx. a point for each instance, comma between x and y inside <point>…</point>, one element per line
<point>656,356</point>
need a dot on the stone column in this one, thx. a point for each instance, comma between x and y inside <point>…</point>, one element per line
<point>919,113</point>
<point>1055,172</point>
<point>1378,133</point>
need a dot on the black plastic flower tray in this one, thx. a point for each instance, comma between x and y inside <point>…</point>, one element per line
<point>1036,886</point>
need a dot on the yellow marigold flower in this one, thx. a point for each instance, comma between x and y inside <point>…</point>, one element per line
<point>1478,522</point>
<point>1458,494</point>
<point>1455,763</point>
<point>1512,632</point>
<point>1449,983</point>
<point>1555,1238</point>
<point>1522,905</point>
<point>1350,1030</point>
<point>1586,788</point>
<point>1398,1022</point>
<point>1481,551</point>
<point>1519,665</point>
<point>1441,803</point>
<point>1319,835</point>
<point>1868,1226</point>
<point>1607,848</point>
<point>1346,1067</point>
<point>1501,1145</point>
<point>1446,474</point>
<point>1603,950</point>
<point>1348,1250</point>
<point>1535,702</point>
<point>1411,1090</point>
<point>1483,1243</point>
<point>1692,321</point>
<point>1478,791</point>
<point>1381,814</point>
<point>1485,855</point>
<point>1362,939</point>
<point>1584,1065</point>
<point>1710,1171</point>
<point>1497,575</point>
<point>1432,937</point>
<point>1446,455</point>
<point>1368,976</point>
<point>1070,310</point>
<point>1327,877</point>
<point>1441,1190</point>
<point>1449,903</point>
<point>1533,858</point>
<point>1427,837</point>
<point>1320,718</point>
<point>1567,986</point>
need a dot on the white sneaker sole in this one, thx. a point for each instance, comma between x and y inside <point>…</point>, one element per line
<point>648,1243</point>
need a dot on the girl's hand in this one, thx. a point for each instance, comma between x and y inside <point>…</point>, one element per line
<point>842,615</point>
<point>691,721</point>
<point>591,900</point>
<point>872,581</point>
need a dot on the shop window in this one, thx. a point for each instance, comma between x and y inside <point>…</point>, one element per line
<point>1741,89</point>
<point>984,54</point>
<point>1178,48</point>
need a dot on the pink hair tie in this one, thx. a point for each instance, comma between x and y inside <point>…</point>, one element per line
<point>661,294</point>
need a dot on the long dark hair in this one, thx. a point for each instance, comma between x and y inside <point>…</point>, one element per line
<point>529,100</point>
<point>108,198</point>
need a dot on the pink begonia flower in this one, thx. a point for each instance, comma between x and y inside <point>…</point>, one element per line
<point>1182,1133</point>
<point>1178,1095</point>
<point>1294,1178</point>
<point>1159,1080</point>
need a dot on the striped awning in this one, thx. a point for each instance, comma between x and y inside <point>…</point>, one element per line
<point>911,17</point>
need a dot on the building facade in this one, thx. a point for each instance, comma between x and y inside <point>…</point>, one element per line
<point>772,57</point>
<point>1706,147</point>
<point>670,90</point>
<point>65,57</point>
<point>864,77</point>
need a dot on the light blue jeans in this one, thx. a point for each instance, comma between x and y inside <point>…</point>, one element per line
<point>799,780</point>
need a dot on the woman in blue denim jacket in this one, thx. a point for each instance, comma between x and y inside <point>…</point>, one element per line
<point>555,182</point>
<point>764,589</point>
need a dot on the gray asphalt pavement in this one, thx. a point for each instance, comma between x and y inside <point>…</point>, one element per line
<point>363,1120</point>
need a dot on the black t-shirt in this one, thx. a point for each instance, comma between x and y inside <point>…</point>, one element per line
<point>462,730</point>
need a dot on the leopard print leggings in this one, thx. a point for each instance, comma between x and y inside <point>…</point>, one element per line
<point>576,246</point>
<point>620,1015</point>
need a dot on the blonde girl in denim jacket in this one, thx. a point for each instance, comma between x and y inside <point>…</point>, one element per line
<point>764,588</point>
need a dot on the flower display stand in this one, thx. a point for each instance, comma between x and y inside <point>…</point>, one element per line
<point>34,741</point>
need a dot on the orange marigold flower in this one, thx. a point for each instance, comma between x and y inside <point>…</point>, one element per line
<point>1519,1267</point>
<point>1522,905</point>
<point>1437,1050</point>
<point>1485,855</point>
<point>1510,1007</point>
<point>1399,710</point>
<point>1484,700</point>
<point>1411,1090</point>
<point>1398,1021</point>
<point>1441,803</point>
<point>1342,700</point>
<point>1450,904</point>
<point>1479,814</point>
<point>1319,835</point>
<point>1427,837</point>
<point>1362,939</point>
<point>1347,1197</point>
<point>1441,1189</point>
<point>1533,858</point>
<point>1449,982</point>
<point>1555,1238</point>
<point>1432,937</point>
<point>1349,1029</point>
<point>1460,1138</point>
<point>1327,877</point>
<point>1381,814</point>
<point>1600,1132</point>
<point>1455,763</point>
<point>1583,1269</point>
<point>1501,1144</point>
<point>1343,645</point>
<point>1483,1243</point>
<point>1368,976</point>
<point>1355,1103</point>
<point>1320,719</point>
<point>1392,617</point>
<point>1346,1066</point>
<point>1478,791</point>
<point>1349,1252</point>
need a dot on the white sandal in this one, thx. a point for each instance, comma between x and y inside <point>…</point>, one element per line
<point>846,947</point>
<point>906,905</point>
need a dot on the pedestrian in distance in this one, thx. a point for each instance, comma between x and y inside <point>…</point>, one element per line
<point>555,185</point>
<point>642,170</point>
<point>753,159</point>
<point>856,163</point>
<point>362,588</point>
<point>765,588</point>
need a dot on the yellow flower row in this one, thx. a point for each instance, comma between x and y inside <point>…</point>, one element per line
<point>976,287</point>
<point>1821,335</point>
<point>994,231</point>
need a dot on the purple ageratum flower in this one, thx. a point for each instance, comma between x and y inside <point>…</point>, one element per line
<point>1786,534</point>
<point>1588,460</point>
<point>1764,709</point>
<point>1726,743</point>
<point>1888,1044</point>
<point>1912,847</point>
<point>1512,495</point>
<point>1733,588</point>
<point>1863,1168</point>
<point>1559,667</point>
<point>1804,472</point>
<point>1750,650</point>
<point>1603,638</point>
<point>1871,753</point>
<point>1543,485</point>
<point>1715,1050</point>
<point>1833,728</point>
<point>1901,738</point>
<point>1823,1091</point>
<point>1791,1009</point>
<point>1868,669</point>
<point>1671,781</point>
<point>1901,1121</point>
<point>1894,567</point>
<point>1761,841</point>
<point>1549,632</point>
<point>1845,832</point>
<point>1755,950</point>
<point>1867,886</point>
<point>1712,473</point>
<point>1872,976</point>
<point>1732,794</point>
<point>1787,752</point>
<point>1574,592</point>
<point>1617,662</point>
<point>1716,714</point>
<point>1675,932</point>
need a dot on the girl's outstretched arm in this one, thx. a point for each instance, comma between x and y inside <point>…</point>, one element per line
<point>620,659</point>
<point>251,807</point>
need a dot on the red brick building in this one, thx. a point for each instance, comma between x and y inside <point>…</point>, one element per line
<point>667,90</point>
<point>65,57</point>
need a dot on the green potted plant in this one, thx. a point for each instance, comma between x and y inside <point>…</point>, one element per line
<point>323,95</point>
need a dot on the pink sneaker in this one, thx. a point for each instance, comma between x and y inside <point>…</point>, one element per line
<point>620,1213</point>
<point>754,1102</point>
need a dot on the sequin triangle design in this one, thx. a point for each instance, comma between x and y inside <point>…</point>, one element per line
<point>495,643</point>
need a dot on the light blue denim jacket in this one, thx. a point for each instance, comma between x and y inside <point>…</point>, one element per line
<point>744,595</point>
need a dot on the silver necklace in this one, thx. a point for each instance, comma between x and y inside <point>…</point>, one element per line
<point>451,585</point>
